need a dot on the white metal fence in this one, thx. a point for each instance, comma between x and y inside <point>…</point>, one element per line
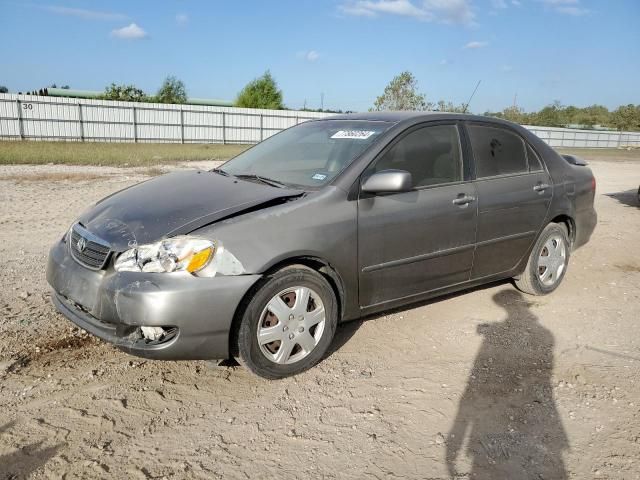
<point>29,117</point>
<point>569,137</point>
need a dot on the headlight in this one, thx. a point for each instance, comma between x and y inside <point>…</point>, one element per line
<point>177,254</point>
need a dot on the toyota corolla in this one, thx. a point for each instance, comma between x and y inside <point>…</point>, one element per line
<point>325,222</point>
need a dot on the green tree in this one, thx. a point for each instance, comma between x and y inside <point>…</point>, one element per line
<point>626,117</point>
<point>443,106</point>
<point>125,93</point>
<point>172,91</point>
<point>514,114</point>
<point>402,94</point>
<point>261,92</point>
<point>549,116</point>
<point>592,115</point>
<point>3,89</point>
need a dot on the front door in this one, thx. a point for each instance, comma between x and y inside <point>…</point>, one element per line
<point>514,193</point>
<point>423,240</point>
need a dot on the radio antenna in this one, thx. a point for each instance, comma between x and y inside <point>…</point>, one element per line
<point>471,97</point>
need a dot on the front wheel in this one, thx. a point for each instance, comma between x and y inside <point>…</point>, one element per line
<point>547,263</point>
<point>288,324</point>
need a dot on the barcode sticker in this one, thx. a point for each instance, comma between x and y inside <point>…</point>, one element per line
<point>354,134</point>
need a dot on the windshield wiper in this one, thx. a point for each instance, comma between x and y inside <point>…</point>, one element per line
<point>260,178</point>
<point>220,171</point>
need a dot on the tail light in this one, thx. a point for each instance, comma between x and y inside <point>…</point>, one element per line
<point>593,184</point>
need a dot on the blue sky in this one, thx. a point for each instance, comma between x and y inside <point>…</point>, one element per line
<point>577,51</point>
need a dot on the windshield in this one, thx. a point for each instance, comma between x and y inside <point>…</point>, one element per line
<point>310,154</point>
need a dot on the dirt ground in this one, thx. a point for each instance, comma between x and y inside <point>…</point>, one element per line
<point>484,384</point>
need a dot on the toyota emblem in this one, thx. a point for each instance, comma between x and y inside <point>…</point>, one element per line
<point>81,244</point>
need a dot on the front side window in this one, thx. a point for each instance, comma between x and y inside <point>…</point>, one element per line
<point>310,154</point>
<point>497,151</point>
<point>432,156</point>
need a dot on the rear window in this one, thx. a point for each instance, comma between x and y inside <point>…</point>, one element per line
<point>497,151</point>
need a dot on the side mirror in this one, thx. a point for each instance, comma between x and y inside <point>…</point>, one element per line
<point>387,181</point>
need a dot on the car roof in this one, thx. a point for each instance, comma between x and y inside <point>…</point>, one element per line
<point>401,116</point>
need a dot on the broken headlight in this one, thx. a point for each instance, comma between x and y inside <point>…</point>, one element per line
<point>177,254</point>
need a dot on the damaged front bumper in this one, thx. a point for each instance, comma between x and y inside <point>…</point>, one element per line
<point>195,313</point>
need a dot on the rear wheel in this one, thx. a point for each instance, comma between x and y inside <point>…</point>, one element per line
<point>288,324</point>
<point>547,263</point>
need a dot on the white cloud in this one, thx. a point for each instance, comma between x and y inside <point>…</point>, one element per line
<point>309,55</point>
<point>130,32</point>
<point>575,11</point>
<point>567,7</point>
<point>445,11</point>
<point>516,3</point>
<point>182,19</point>
<point>83,13</point>
<point>475,44</point>
<point>371,8</point>
<point>499,4</point>
<point>451,11</point>
<point>506,68</point>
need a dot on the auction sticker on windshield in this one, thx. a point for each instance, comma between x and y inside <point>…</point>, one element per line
<point>354,134</point>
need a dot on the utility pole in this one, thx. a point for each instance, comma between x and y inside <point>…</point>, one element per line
<point>321,100</point>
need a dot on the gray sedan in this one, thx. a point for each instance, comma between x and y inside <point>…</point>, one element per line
<point>326,222</point>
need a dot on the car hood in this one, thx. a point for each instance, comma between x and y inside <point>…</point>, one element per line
<point>175,204</point>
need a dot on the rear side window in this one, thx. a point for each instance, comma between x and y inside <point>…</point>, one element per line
<point>431,154</point>
<point>534,160</point>
<point>497,151</point>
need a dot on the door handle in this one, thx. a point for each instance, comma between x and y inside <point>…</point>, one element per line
<point>463,199</point>
<point>541,187</point>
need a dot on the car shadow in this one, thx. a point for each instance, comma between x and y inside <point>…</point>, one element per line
<point>628,197</point>
<point>348,329</point>
<point>26,459</point>
<point>507,416</point>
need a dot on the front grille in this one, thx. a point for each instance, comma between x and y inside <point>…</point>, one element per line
<point>87,249</point>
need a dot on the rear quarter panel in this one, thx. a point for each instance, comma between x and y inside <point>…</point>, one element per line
<point>573,193</point>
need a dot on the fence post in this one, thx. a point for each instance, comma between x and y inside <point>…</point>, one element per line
<point>135,128</point>
<point>224,128</point>
<point>261,131</point>
<point>20,126</point>
<point>181,125</point>
<point>80,121</point>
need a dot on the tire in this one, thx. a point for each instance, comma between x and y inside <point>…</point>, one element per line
<point>297,336</point>
<point>541,279</point>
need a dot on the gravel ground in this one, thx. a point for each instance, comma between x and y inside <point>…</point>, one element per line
<point>483,384</point>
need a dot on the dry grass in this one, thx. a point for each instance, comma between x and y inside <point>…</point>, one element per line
<point>111,154</point>
<point>51,177</point>
<point>605,154</point>
<point>152,171</point>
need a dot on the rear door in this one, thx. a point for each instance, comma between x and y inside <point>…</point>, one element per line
<point>422,240</point>
<point>514,193</point>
